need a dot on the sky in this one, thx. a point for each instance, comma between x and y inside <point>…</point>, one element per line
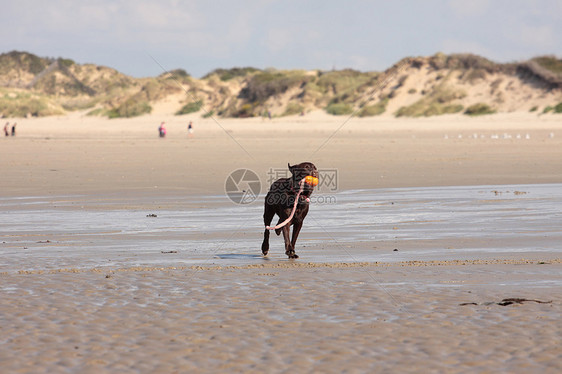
<point>145,38</point>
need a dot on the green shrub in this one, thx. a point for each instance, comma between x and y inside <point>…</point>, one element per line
<point>65,62</point>
<point>22,105</point>
<point>558,108</point>
<point>414,110</point>
<point>479,109</point>
<point>548,109</point>
<point>453,108</point>
<point>78,104</point>
<point>462,61</point>
<point>154,90</point>
<point>534,109</point>
<point>292,109</point>
<point>227,74</point>
<point>436,103</point>
<point>550,63</point>
<point>547,68</point>
<point>208,114</point>
<point>24,61</point>
<point>433,109</point>
<point>338,109</point>
<point>178,75</point>
<point>130,108</point>
<point>373,110</point>
<point>473,75</point>
<point>344,85</point>
<point>190,108</point>
<point>342,80</point>
<point>424,109</point>
<point>264,85</point>
<point>246,110</point>
<point>445,95</point>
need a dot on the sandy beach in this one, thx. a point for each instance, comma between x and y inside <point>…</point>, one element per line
<point>78,154</point>
<point>468,207</point>
<point>279,319</point>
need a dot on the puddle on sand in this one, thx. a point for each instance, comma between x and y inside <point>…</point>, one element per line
<point>437,223</point>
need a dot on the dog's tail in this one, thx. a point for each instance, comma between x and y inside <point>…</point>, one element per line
<point>279,225</point>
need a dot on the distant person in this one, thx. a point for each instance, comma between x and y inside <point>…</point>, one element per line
<point>190,129</point>
<point>162,130</point>
<point>6,126</point>
<point>14,129</point>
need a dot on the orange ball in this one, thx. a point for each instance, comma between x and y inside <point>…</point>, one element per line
<point>309,179</point>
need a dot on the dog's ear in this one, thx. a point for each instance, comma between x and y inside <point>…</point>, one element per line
<point>290,167</point>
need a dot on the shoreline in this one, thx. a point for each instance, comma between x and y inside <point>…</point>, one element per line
<point>279,265</point>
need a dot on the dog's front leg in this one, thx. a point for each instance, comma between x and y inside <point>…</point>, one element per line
<point>289,249</point>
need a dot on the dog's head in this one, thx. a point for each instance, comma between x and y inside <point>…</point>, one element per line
<point>302,170</point>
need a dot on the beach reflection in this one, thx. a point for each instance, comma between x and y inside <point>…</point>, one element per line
<point>384,225</point>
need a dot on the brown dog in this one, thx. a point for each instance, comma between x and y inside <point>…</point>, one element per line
<point>280,200</point>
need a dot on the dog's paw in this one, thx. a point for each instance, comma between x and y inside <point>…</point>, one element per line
<point>292,254</point>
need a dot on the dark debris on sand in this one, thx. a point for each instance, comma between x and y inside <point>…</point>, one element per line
<point>510,301</point>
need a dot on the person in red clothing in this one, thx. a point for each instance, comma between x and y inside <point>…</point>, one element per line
<point>162,130</point>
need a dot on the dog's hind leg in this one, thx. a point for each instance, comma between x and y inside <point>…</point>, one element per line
<point>289,249</point>
<point>267,217</point>
<point>297,225</point>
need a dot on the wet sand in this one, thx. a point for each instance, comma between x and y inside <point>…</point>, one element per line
<point>510,222</point>
<point>402,317</point>
<point>78,187</point>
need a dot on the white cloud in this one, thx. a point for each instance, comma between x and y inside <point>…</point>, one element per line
<point>469,7</point>
<point>240,29</point>
<point>539,36</point>
<point>201,35</point>
<point>278,39</point>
